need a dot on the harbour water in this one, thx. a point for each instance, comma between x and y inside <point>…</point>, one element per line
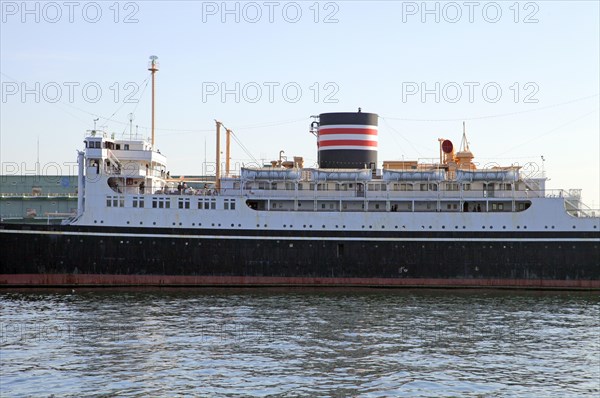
<point>298,342</point>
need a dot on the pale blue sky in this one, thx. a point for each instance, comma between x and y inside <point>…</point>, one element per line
<point>369,54</point>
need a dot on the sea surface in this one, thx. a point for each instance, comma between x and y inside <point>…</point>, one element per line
<point>299,342</point>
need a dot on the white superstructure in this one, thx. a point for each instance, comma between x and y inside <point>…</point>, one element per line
<point>125,183</point>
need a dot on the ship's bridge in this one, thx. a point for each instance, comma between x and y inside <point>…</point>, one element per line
<point>134,157</point>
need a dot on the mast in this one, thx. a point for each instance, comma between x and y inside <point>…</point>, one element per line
<point>218,168</point>
<point>153,67</point>
<point>227,152</point>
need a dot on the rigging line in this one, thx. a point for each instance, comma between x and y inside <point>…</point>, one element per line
<point>246,127</point>
<point>104,118</point>
<point>141,94</point>
<point>124,103</point>
<point>183,131</point>
<point>497,115</point>
<point>401,136</point>
<point>273,124</point>
<point>549,131</point>
<point>84,121</point>
<point>243,147</point>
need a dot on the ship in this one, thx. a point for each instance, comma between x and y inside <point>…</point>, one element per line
<point>345,222</point>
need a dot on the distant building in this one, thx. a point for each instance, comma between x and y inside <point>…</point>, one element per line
<point>36,198</point>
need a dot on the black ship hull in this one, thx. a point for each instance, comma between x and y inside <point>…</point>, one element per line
<point>34,255</point>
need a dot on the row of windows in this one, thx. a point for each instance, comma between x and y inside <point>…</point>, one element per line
<point>115,201</point>
<point>107,145</point>
<point>165,203</point>
<point>449,186</point>
<point>449,206</point>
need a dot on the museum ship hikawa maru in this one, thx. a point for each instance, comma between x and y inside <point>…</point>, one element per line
<point>347,222</point>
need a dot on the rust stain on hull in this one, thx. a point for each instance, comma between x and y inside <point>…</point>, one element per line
<point>103,280</point>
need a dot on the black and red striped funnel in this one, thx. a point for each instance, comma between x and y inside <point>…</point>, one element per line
<point>347,140</point>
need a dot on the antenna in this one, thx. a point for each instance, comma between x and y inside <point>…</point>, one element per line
<point>543,164</point>
<point>38,155</point>
<point>464,144</point>
<point>95,120</point>
<point>131,125</point>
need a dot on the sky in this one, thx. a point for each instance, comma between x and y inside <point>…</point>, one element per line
<point>524,76</point>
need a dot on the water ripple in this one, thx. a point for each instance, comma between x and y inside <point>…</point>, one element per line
<point>288,343</point>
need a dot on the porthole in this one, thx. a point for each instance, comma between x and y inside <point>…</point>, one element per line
<point>233,225</point>
<point>101,221</point>
<point>524,226</point>
<point>95,222</point>
<point>127,222</point>
<point>574,227</point>
<point>443,227</point>
<point>193,224</point>
<point>504,227</point>
<point>483,227</point>
<point>173,223</point>
<point>154,223</point>
<point>141,223</point>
